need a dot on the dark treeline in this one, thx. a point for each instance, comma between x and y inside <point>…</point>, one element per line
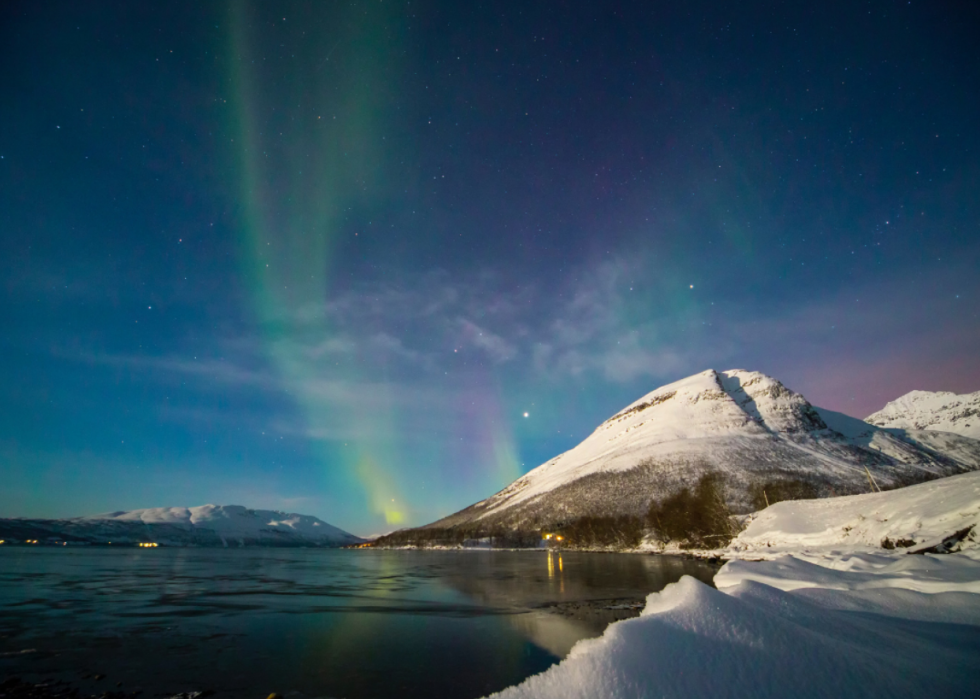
<point>763,495</point>
<point>692,518</point>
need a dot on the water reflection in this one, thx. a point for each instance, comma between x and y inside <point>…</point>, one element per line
<point>552,555</point>
<point>322,623</point>
<point>578,595</point>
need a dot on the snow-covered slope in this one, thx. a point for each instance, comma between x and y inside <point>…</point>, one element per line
<point>745,426</point>
<point>207,525</point>
<point>926,410</point>
<point>916,516</point>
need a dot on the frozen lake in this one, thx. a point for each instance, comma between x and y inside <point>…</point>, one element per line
<point>312,622</point>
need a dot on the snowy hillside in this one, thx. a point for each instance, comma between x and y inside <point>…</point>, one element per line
<point>745,426</point>
<point>916,516</point>
<point>926,410</point>
<point>207,525</point>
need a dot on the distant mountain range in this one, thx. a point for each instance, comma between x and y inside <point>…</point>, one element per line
<point>924,410</point>
<point>207,525</point>
<point>755,434</point>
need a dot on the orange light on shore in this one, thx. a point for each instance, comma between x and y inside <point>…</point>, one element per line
<point>148,545</point>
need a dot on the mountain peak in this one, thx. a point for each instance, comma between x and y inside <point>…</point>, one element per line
<point>745,426</point>
<point>938,411</point>
<point>727,400</point>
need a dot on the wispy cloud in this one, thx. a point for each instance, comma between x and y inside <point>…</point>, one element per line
<point>411,329</point>
<point>230,371</point>
<point>495,346</point>
<point>403,343</point>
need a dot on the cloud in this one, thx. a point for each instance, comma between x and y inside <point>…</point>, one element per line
<point>379,355</point>
<point>630,361</point>
<point>408,328</point>
<point>330,347</point>
<point>496,347</point>
<point>218,370</point>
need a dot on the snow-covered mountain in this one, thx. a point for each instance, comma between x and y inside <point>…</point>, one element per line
<point>207,525</point>
<point>745,426</point>
<point>940,411</point>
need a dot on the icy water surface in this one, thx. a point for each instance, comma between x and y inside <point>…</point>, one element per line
<point>314,623</point>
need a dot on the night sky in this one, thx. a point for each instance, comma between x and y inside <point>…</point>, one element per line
<point>372,261</point>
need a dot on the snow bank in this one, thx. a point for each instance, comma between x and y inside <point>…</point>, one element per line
<point>924,513</point>
<point>929,573</point>
<point>754,640</point>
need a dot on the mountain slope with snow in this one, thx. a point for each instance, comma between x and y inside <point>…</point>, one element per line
<point>920,515</point>
<point>207,525</point>
<point>745,426</point>
<point>940,411</point>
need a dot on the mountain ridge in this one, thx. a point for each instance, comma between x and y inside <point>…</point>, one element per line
<point>932,410</point>
<point>205,525</point>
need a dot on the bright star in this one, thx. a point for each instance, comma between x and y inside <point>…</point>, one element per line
<point>525,414</point>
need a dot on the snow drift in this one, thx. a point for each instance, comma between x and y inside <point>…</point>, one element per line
<point>757,641</point>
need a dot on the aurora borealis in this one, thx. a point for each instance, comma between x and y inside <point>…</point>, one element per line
<point>372,261</point>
